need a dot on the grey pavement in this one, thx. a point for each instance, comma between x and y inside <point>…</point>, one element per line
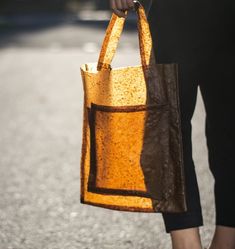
<point>61,31</point>
<point>41,101</point>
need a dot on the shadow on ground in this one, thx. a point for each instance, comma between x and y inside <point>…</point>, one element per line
<point>13,28</point>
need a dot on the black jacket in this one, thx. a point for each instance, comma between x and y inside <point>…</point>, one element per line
<point>191,30</point>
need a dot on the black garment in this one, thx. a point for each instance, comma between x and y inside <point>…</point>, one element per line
<point>191,30</point>
<point>198,36</point>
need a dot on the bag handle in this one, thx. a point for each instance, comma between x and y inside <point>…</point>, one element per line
<point>113,34</point>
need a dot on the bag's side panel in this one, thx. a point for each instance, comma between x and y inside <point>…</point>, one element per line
<point>175,179</point>
<point>162,88</point>
<point>84,142</point>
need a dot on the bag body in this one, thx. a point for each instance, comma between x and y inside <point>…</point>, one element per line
<point>132,155</point>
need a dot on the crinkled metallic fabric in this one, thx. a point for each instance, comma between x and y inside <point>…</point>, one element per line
<point>132,145</point>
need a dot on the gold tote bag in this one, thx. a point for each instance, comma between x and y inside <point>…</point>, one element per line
<point>131,156</point>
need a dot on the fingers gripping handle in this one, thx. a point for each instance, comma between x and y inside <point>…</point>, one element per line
<point>113,34</point>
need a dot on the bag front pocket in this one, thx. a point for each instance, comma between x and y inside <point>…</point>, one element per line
<point>129,150</point>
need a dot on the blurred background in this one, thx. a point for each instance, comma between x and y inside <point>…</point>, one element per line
<point>42,46</point>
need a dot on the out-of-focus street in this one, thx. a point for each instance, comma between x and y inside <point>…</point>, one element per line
<point>41,101</point>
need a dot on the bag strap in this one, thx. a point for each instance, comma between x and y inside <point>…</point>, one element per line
<point>113,34</point>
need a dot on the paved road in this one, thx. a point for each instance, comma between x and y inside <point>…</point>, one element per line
<point>61,31</point>
<point>41,101</point>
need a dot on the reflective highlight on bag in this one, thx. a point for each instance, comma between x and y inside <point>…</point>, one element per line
<point>132,156</point>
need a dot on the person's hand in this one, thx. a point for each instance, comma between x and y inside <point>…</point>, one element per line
<point>119,6</point>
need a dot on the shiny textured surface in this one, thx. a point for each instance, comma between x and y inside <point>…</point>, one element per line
<point>132,149</point>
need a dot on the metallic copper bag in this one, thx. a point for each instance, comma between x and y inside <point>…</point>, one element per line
<point>132,144</point>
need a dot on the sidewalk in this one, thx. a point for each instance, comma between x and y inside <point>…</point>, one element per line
<point>64,31</point>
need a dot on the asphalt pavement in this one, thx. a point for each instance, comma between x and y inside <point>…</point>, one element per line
<point>41,101</point>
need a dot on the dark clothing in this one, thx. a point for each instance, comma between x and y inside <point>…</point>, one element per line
<point>191,30</point>
<point>198,36</point>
